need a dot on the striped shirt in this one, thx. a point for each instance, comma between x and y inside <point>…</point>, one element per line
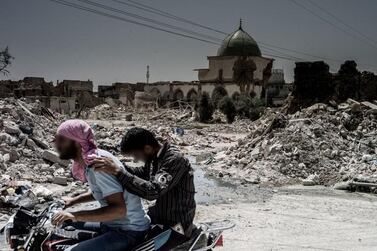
<point>169,180</point>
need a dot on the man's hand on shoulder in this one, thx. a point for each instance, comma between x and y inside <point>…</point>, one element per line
<point>105,164</point>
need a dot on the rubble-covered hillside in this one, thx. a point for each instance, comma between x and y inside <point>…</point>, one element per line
<point>321,144</point>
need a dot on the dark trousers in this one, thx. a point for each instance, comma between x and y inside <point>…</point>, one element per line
<point>108,240</point>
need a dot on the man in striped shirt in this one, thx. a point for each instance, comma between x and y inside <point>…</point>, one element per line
<point>166,177</point>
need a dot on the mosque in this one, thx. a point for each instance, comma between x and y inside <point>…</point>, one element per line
<point>238,67</point>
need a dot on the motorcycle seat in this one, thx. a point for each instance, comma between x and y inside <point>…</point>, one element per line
<point>153,241</point>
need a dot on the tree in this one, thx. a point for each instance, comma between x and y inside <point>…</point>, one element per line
<point>243,73</point>
<point>347,82</point>
<point>243,104</point>
<point>368,86</point>
<point>227,107</point>
<point>218,93</point>
<point>5,61</point>
<point>205,108</point>
<point>255,112</point>
<point>248,107</point>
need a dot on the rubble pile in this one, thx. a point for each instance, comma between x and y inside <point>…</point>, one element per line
<point>175,125</point>
<point>26,133</point>
<point>319,145</point>
<point>109,137</point>
<point>107,112</point>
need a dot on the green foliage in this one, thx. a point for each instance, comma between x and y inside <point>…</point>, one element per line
<point>227,107</point>
<point>205,108</point>
<point>368,86</point>
<point>347,82</point>
<point>248,107</point>
<point>257,102</point>
<point>218,93</point>
<point>243,104</point>
<point>253,94</point>
<point>255,112</point>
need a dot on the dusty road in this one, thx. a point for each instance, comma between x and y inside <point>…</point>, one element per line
<point>298,218</point>
<point>288,218</point>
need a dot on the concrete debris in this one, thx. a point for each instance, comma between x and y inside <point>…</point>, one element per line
<point>11,128</point>
<point>60,180</point>
<point>24,135</point>
<point>54,158</point>
<point>311,180</point>
<point>318,145</point>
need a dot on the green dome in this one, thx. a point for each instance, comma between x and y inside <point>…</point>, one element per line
<point>239,43</point>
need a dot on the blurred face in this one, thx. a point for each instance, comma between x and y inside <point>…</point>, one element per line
<point>145,155</point>
<point>66,148</point>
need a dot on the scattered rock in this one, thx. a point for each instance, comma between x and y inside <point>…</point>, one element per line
<point>311,180</point>
<point>53,157</point>
<point>128,117</point>
<point>60,180</point>
<point>14,155</point>
<point>11,128</point>
<point>342,186</point>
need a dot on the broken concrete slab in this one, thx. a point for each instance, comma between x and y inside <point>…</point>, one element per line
<point>369,104</point>
<point>59,180</point>
<point>53,157</point>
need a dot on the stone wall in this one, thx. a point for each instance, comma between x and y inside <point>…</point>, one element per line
<point>223,66</point>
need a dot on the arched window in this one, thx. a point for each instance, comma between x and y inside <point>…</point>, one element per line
<point>192,96</point>
<point>178,95</point>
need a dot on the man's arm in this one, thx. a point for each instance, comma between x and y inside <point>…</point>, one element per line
<point>168,176</point>
<point>138,171</point>
<point>105,164</point>
<point>115,209</point>
<point>85,197</point>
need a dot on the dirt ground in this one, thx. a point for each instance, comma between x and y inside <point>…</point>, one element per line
<point>299,218</point>
<point>292,218</point>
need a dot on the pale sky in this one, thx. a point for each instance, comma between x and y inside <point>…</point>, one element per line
<point>58,42</point>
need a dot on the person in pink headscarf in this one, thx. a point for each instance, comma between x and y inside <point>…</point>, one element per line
<point>81,137</point>
<point>121,220</point>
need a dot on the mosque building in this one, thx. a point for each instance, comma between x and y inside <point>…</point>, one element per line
<point>238,62</point>
<point>239,67</point>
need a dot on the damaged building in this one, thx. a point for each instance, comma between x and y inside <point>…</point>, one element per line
<point>73,95</point>
<point>120,92</point>
<point>65,97</point>
<point>239,67</point>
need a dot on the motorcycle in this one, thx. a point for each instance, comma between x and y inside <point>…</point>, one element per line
<point>29,230</point>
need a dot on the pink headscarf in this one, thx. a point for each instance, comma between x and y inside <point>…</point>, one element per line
<point>79,131</point>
